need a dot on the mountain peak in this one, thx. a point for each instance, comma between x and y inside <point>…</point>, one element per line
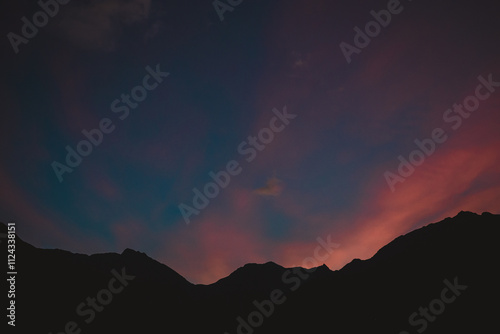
<point>131,252</point>
<point>267,265</point>
<point>467,214</point>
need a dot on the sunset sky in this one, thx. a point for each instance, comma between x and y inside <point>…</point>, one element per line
<point>322,174</point>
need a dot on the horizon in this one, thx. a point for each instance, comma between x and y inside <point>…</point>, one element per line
<point>211,134</point>
<point>259,263</point>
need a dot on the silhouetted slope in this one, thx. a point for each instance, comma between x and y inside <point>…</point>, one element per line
<point>376,295</point>
<point>379,294</point>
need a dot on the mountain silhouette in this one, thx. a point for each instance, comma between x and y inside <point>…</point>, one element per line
<point>447,267</point>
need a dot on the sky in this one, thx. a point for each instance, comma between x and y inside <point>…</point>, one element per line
<point>219,133</point>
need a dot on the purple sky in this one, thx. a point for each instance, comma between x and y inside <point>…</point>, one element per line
<point>330,169</point>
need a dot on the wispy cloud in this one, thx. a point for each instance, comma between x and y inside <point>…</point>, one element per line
<point>273,187</point>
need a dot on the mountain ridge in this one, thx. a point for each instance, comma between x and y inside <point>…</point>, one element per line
<point>377,294</point>
<point>131,253</point>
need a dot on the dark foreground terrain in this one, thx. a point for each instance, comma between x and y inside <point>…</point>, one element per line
<point>441,278</point>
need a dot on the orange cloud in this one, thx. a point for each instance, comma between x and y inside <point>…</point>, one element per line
<point>274,187</point>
